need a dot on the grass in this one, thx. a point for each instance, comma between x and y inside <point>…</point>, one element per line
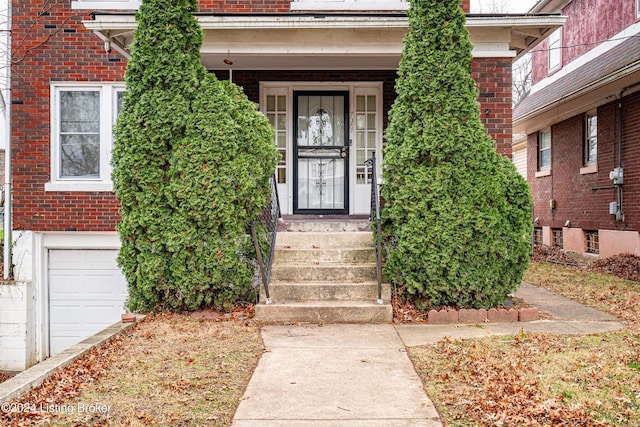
<point>543,379</point>
<point>169,370</point>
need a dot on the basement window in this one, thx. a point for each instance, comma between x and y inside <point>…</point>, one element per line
<point>557,237</point>
<point>593,242</point>
<point>537,236</point>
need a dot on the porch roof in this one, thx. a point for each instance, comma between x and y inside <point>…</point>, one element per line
<point>326,41</point>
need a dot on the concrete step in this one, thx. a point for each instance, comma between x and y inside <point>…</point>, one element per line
<point>327,240</point>
<point>319,256</point>
<point>283,292</point>
<point>325,226</point>
<point>325,312</point>
<point>326,272</point>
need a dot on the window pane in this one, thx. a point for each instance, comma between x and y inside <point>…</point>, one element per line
<point>592,150</point>
<point>271,103</point>
<point>591,141</point>
<point>80,111</point>
<point>545,158</point>
<point>79,134</point>
<point>282,103</point>
<point>555,50</point>
<point>371,103</point>
<point>544,149</point>
<point>119,100</point>
<point>79,155</point>
<point>545,140</point>
<point>592,126</point>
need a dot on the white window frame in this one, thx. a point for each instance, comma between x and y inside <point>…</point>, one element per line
<point>108,115</point>
<point>107,4</point>
<point>588,137</point>
<point>349,5</point>
<point>638,8</point>
<point>555,50</point>
<point>543,170</point>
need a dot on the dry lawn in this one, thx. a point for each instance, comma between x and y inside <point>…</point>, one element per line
<point>170,370</point>
<point>543,379</point>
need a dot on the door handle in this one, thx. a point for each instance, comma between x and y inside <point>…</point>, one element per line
<point>344,152</point>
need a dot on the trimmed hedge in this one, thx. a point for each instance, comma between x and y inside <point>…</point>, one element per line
<point>192,160</point>
<point>457,222</point>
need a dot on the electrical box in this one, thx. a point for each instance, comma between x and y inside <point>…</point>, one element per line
<point>617,175</point>
<point>613,208</point>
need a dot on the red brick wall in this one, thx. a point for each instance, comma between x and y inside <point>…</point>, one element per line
<point>588,23</point>
<point>493,77</point>
<point>582,198</point>
<point>247,6</point>
<point>51,45</point>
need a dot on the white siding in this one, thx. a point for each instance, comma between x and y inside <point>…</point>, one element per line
<point>520,161</point>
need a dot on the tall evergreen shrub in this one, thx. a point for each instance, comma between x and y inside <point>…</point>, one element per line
<point>457,215</point>
<point>167,232</point>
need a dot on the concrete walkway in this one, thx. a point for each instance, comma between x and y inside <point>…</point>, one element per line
<point>360,375</point>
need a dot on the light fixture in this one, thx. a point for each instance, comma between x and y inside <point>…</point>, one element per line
<point>229,62</point>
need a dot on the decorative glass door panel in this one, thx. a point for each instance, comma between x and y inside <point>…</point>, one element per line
<point>321,152</point>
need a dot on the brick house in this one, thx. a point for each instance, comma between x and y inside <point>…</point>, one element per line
<point>582,119</point>
<point>292,57</point>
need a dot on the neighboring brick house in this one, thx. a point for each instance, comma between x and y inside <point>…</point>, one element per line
<point>582,119</point>
<point>296,58</point>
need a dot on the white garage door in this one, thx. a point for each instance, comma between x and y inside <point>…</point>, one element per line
<point>87,292</point>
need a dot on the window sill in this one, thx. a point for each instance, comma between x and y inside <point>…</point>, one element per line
<point>588,169</point>
<point>546,172</point>
<point>78,186</point>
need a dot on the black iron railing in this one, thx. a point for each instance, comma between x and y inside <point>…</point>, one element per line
<point>263,231</point>
<point>375,218</point>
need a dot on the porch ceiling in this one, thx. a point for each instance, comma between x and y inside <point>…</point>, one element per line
<point>327,41</point>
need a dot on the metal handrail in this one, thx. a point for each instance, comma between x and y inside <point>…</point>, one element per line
<point>267,225</point>
<point>375,216</point>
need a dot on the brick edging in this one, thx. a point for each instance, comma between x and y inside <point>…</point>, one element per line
<point>495,315</point>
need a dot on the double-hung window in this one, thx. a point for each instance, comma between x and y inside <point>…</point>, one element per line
<point>82,120</point>
<point>544,150</point>
<point>591,139</point>
<point>555,50</point>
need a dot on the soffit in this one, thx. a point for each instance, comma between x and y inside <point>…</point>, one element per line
<point>328,41</point>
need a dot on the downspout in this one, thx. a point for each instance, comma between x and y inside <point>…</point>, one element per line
<point>620,210</point>
<point>7,152</point>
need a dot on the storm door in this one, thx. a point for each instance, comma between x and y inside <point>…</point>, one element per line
<point>321,152</point>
